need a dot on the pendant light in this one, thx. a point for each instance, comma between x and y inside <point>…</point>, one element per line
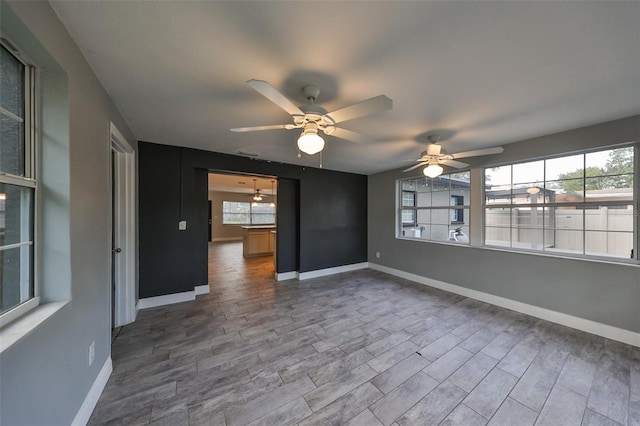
<point>272,204</point>
<point>256,194</point>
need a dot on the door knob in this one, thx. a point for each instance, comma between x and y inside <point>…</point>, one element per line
<point>118,250</point>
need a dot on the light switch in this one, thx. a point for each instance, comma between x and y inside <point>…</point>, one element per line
<point>182,225</point>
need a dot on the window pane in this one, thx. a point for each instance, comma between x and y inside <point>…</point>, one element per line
<point>567,241</point>
<point>527,224</point>
<point>440,192</point>
<point>423,198</point>
<point>439,232</point>
<point>615,244</point>
<point>570,167</point>
<point>12,100</point>
<point>12,146</point>
<point>498,226</point>
<point>408,217</point>
<point>16,283</point>
<point>235,213</point>
<point>497,177</point>
<point>609,188</point>
<point>11,83</point>
<point>498,195</point>
<point>408,198</point>
<point>565,191</point>
<point>263,213</point>
<point>16,245</point>
<point>423,216</point>
<point>529,193</point>
<point>16,213</point>
<point>528,172</point>
<point>459,234</point>
<point>599,160</point>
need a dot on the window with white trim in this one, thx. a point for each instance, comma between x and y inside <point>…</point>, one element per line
<point>17,184</point>
<point>435,209</point>
<point>581,204</point>
<point>245,213</point>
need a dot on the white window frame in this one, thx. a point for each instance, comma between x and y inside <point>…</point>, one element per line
<point>29,180</point>
<point>580,205</point>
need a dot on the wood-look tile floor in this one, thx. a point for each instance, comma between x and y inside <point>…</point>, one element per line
<point>360,348</point>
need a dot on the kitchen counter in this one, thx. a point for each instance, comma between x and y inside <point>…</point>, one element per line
<point>258,240</point>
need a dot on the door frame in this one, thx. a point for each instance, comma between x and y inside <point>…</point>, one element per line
<point>123,230</point>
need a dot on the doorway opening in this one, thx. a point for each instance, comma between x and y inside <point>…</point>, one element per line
<point>242,227</point>
<point>123,230</point>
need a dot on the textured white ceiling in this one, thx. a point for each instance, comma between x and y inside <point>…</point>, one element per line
<point>480,73</point>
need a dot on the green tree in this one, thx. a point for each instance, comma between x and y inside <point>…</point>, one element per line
<point>572,181</point>
<point>617,173</point>
<point>619,167</point>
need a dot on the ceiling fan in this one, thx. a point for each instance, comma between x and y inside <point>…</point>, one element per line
<point>257,195</point>
<point>312,118</point>
<point>434,156</point>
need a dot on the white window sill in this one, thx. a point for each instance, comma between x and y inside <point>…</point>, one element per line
<point>17,330</point>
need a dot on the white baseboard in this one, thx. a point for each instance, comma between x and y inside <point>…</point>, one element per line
<point>89,403</point>
<point>201,289</point>
<point>170,299</point>
<point>331,271</point>
<point>283,276</point>
<point>599,329</point>
<point>167,299</point>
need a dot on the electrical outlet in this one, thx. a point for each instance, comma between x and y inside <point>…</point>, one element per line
<point>92,352</point>
<point>378,254</point>
<point>182,225</point>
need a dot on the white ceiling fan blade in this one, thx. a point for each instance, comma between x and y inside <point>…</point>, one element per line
<point>424,163</point>
<point>454,163</point>
<point>478,152</point>
<point>350,135</point>
<point>269,92</point>
<point>256,128</point>
<point>368,107</point>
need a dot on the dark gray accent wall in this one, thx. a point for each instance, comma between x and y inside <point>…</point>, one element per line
<point>159,211</point>
<point>604,292</point>
<point>332,228</point>
<point>288,226</point>
<point>322,215</point>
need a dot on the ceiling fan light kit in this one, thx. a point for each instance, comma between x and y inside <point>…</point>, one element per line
<point>433,170</point>
<point>309,141</point>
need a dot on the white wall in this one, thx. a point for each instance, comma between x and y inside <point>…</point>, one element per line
<point>46,375</point>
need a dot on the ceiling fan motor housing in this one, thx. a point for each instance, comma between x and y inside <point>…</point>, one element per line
<point>311,92</point>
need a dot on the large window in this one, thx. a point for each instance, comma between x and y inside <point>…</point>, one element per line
<point>435,209</point>
<point>17,185</point>
<point>579,204</point>
<point>244,213</point>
